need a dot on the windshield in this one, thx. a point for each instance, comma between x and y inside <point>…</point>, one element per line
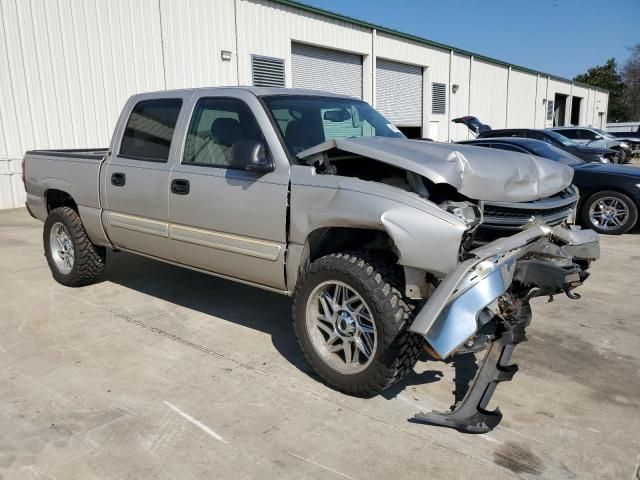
<point>603,133</point>
<point>305,121</point>
<point>545,150</point>
<point>567,142</point>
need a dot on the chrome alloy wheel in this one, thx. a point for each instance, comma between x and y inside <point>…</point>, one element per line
<point>608,213</point>
<point>341,328</point>
<point>61,247</point>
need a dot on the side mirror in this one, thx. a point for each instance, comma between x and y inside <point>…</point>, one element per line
<point>250,155</point>
<point>598,137</point>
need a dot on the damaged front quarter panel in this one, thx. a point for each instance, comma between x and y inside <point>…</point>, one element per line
<point>425,237</point>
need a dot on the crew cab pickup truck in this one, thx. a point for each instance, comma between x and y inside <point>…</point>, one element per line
<point>319,197</point>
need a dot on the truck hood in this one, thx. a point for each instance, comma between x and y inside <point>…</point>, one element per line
<point>479,173</point>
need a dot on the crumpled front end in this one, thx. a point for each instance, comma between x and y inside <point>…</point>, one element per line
<point>484,302</point>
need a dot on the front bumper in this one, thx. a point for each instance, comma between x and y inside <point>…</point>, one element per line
<point>491,291</point>
<point>451,315</point>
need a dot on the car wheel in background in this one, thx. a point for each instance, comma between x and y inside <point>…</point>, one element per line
<point>609,212</point>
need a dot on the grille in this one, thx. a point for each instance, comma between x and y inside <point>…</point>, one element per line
<point>552,211</point>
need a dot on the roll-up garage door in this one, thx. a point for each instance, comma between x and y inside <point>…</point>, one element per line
<point>399,92</point>
<point>325,69</point>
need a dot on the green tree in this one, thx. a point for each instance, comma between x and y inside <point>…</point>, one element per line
<point>631,76</point>
<point>606,76</point>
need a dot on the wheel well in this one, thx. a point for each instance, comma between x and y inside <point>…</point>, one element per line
<point>589,193</point>
<point>58,198</point>
<point>328,240</point>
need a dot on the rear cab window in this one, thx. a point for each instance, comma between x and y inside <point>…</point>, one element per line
<point>150,130</point>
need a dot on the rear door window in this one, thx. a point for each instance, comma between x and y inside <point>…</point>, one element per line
<point>150,128</point>
<point>570,133</point>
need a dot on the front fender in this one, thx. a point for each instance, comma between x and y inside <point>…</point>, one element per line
<point>426,237</point>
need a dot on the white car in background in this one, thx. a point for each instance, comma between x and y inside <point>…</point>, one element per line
<point>594,137</point>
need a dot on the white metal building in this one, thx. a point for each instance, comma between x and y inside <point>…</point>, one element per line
<point>67,67</point>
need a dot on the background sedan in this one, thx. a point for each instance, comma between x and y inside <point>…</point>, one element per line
<point>609,194</point>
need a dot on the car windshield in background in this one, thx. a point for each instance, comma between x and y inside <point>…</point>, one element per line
<point>567,142</point>
<point>306,121</point>
<point>604,134</point>
<point>545,150</point>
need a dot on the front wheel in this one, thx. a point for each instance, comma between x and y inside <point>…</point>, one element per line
<point>74,261</point>
<point>609,212</point>
<point>352,321</point>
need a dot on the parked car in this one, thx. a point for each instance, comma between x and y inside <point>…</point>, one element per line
<point>609,194</point>
<point>319,197</point>
<point>588,154</point>
<point>631,137</point>
<point>594,137</point>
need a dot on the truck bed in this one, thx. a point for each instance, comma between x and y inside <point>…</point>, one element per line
<point>73,171</point>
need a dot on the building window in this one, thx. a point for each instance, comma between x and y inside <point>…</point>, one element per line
<point>438,98</point>
<point>149,130</point>
<point>549,110</point>
<point>267,71</point>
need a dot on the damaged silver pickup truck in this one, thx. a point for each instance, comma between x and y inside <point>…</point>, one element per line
<point>377,238</point>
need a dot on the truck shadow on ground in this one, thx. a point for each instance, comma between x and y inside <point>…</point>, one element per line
<point>240,304</point>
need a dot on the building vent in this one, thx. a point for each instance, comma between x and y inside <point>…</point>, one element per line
<point>439,98</point>
<point>267,72</point>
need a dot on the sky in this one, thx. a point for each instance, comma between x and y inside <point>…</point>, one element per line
<point>560,37</point>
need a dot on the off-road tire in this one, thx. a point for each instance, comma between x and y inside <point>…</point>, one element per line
<point>89,259</point>
<point>378,281</point>
<point>631,206</point>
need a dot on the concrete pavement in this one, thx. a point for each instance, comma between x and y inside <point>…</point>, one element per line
<point>160,372</point>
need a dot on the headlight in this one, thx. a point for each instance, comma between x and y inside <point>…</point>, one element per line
<point>468,212</point>
<point>624,145</point>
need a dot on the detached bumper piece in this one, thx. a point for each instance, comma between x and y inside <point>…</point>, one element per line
<point>491,291</point>
<point>470,415</point>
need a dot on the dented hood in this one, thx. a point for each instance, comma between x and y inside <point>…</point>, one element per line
<point>476,172</point>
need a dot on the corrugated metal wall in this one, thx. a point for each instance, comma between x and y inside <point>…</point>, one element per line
<point>488,93</point>
<point>68,66</point>
<point>194,32</point>
<point>459,101</point>
<point>522,104</point>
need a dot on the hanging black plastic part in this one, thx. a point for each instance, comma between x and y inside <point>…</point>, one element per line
<point>470,415</point>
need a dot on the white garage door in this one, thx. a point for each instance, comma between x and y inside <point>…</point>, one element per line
<point>324,69</point>
<point>399,92</point>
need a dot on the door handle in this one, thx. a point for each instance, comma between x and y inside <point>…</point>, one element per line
<point>180,186</point>
<point>118,179</point>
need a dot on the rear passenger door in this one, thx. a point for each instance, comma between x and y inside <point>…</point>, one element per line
<point>226,218</point>
<point>135,183</point>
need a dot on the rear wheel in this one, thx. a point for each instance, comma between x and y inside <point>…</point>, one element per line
<point>74,261</point>
<point>609,212</point>
<point>352,321</point>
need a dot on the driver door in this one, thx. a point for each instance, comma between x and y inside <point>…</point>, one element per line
<point>225,218</point>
